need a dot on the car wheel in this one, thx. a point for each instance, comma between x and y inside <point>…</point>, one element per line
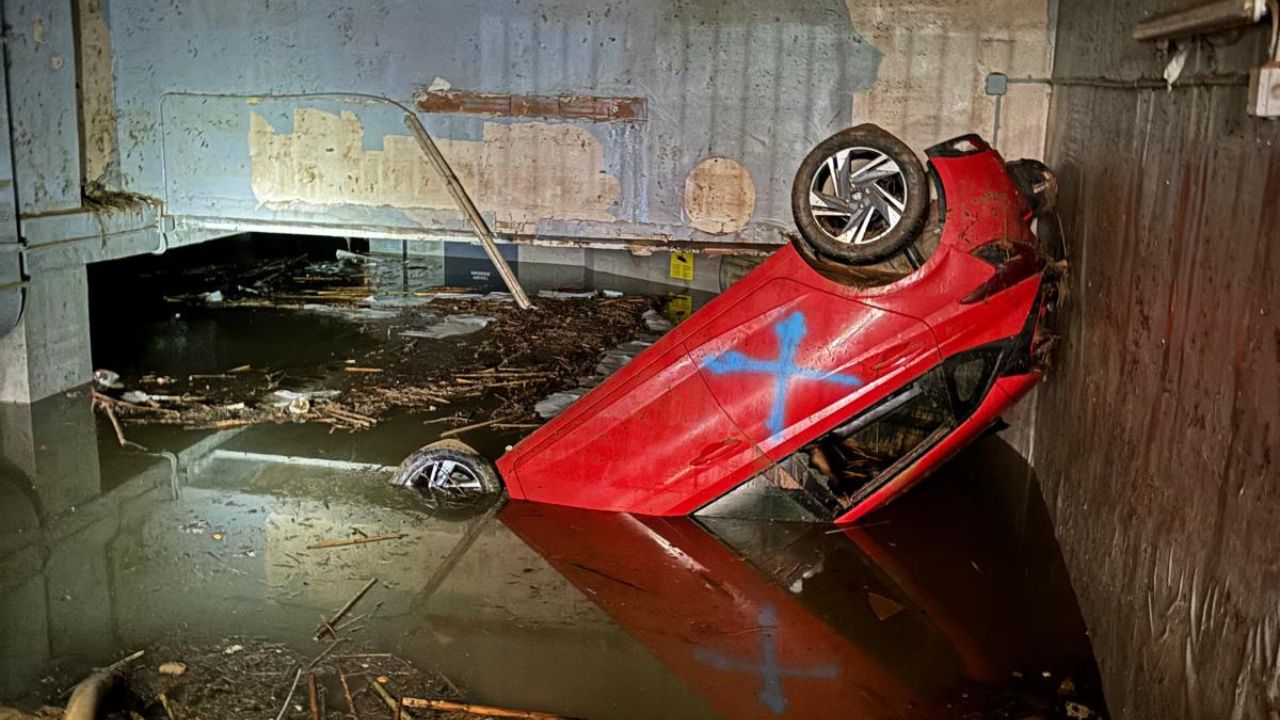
<point>449,472</point>
<point>859,197</point>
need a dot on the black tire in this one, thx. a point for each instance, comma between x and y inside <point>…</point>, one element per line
<point>853,223</point>
<point>470,477</point>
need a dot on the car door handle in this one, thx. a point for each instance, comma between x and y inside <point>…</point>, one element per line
<point>717,452</point>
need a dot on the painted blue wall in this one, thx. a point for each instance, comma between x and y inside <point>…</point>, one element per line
<point>756,81</point>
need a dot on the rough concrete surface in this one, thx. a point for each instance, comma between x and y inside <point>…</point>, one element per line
<point>936,55</point>
<point>1157,434</point>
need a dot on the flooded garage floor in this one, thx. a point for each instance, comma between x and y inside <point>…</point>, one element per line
<point>951,603</point>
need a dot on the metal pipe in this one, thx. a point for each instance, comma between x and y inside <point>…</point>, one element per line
<point>468,208</point>
<point>1218,80</point>
<point>1201,19</point>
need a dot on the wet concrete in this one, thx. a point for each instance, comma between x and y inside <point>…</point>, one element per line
<point>950,603</point>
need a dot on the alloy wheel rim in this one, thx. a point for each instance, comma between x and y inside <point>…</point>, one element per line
<point>858,195</point>
<point>450,476</point>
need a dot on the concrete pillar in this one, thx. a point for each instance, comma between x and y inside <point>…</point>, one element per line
<point>48,352</point>
<point>51,449</point>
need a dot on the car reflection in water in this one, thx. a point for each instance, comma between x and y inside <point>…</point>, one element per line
<point>952,603</point>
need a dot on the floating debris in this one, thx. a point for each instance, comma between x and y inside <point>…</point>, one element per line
<point>451,325</point>
<point>478,351</point>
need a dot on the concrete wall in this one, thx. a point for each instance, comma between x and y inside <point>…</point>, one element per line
<point>139,125</point>
<point>935,57</point>
<point>734,95</point>
<point>1157,435</point>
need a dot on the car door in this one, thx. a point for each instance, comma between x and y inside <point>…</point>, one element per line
<point>650,440</point>
<point>790,361</point>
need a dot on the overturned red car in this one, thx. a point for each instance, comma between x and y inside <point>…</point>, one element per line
<point>906,315</point>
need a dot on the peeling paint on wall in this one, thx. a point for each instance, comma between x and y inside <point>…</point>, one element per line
<point>520,172</point>
<point>936,56</point>
<point>97,91</point>
<point>719,196</point>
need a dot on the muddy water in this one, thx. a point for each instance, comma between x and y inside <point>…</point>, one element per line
<point>951,603</point>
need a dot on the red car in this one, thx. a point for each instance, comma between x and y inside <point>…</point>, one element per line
<point>891,332</point>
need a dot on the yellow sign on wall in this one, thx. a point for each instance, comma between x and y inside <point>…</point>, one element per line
<point>682,265</point>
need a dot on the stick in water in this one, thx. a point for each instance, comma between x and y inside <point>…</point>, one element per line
<point>470,709</point>
<point>396,707</point>
<point>313,695</point>
<point>346,692</point>
<point>353,541</point>
<point>328,626</point>
<point>296,677</point>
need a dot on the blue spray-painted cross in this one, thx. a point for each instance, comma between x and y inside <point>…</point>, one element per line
<point>790,331</point>
<point>770,668</point>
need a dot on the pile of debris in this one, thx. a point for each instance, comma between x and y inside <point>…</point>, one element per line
<point>472,360</point>
<point>243,677</point>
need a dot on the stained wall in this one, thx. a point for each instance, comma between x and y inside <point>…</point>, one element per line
<point>220,110</point>
<point>1156,435</point>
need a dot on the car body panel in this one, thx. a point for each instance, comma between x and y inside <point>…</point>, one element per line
<point>625,461</point>
<point>784,364</point>
<point>787,354</point>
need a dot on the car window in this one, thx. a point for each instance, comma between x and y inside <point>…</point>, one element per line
<point>971,374</point>
<point>825,478</point>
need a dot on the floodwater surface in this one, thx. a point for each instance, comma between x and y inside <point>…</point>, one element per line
<point>953,602</point>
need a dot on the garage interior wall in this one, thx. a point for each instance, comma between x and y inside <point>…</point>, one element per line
<point>1156,434</point>
<point>200,107</point>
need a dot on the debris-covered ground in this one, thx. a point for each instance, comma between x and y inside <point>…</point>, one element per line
<point>243,677</point>
<point>467,358</point>
<point>254,677</point>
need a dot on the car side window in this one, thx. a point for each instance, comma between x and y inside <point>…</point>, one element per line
<point>970,375</point>
<point>827,477</point>
<point>860,453</point>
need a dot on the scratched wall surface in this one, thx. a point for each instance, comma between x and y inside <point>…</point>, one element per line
<point>1156,435</point>
<point>754,82</point>
<point>936,57</point>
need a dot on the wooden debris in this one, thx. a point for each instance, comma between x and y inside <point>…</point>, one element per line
<point>168,709</point>
<point>289,698</point>
<point>327,626</point>
<point>105,404</point>
<point>445,419</point>
<point>465,428</point>
<point>353,541</point>
<point>473,709</point>
<point>337,641</point>
<point>345,417</point>
<point>387,698</point>
<point>313,695</point>
<point>517,360</point>
<point>346,693</point>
